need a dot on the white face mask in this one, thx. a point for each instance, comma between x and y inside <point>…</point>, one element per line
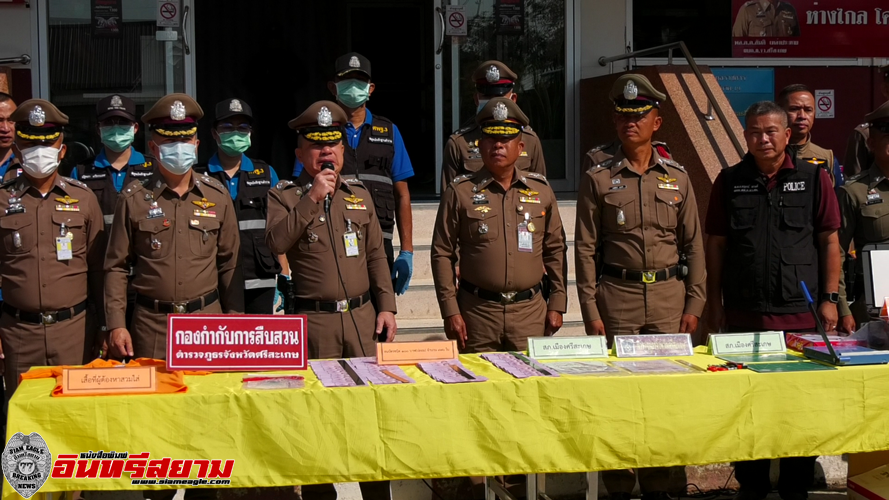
<point>40,161</point>
<point>177,157</point>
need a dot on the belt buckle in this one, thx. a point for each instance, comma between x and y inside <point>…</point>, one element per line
<point>49,318</point>
<point>342,306</point>
<point>649,276</point>
<point>180,308</point>
<point>507,297</point>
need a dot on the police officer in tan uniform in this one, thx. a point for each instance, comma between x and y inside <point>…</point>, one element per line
<point>179,230</point>
<point>461,153</point>
<point>766,18</point>
<point>51,257</point>
<point>864,207</point>
<point>636,216</point>
<point>799,103</point>
<point>858,155</point>
<point>327,228</point>
<point>494,220</point>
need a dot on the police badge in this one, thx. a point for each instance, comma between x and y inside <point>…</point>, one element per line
<point>353,62</point>
<point>116,102</point>
<point>177,111</point>
<point>37,117</point>
<point>500,112</point>
<point>631,92</point>
<point>325,117</point>
<point>493,74</point>
<point>235,106</point>
<point>27,463</point>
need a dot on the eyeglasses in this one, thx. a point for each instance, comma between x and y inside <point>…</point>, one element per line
<point>881,126</point>
<point>244,128</point>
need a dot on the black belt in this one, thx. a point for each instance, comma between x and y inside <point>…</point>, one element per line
<point>344,305</point>
<point>45,318</point>
<point>177,307</point>
<point>643,276</point>
<point>501,297</point>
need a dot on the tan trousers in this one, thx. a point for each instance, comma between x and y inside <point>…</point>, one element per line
<point>493,327</point>
<point>149,330</point>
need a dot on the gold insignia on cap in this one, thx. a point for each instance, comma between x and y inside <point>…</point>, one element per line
<point>631,92</point>
<point>353,62</point>
<point>500,111</point>
<point>37,117</point>
<point>177,111</point>
<point>353,199</point>
<point>204,203</point>
<point>116,102</point>
<point>67,200</point>
<point>235,106</point>
<point>325,118</point>
<point>493,74</point>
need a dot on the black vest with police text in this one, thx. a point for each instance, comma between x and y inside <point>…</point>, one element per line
<point>772,244</point>
<point>259,265</point>
<point>101,182</point>
<point>372,164</point>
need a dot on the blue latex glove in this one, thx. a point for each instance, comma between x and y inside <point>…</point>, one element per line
<point>279,297</point>
<point>402,270</point>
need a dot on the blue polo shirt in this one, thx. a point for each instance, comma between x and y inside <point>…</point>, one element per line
<point>5,166</point>
<point>118,176</point>
<point>401,162</point>
<point>246,166</point>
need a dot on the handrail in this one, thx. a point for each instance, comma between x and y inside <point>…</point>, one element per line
<point>603,61</point>
<point>22,59</point>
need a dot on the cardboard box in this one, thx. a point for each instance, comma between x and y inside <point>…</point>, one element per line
<point>799,341</point>
<point>872,485</point>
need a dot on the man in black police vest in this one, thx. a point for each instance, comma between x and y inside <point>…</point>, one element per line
<point>375,154</point>
<point>117,164</point>
<point>248,181</point>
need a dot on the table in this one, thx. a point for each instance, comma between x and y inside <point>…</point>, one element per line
<point>504,426</point>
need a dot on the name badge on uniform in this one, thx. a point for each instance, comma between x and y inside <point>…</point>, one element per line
<point>63,248</point>
<point>526,234</point>
<point>155,211</point>
<point>15,208</point>
<point>873,197</point>
<point>350,240</point>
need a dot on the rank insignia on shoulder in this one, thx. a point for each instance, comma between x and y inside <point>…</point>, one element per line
<point>204,203</point>
<point>204,213</point>
<point>283,184</point>
<point>352,199</point>
<point>460,178</point>
<point>67,200</point>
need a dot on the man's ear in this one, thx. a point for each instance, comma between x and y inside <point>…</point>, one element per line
<point>62,151</point>
<point>331,87</point>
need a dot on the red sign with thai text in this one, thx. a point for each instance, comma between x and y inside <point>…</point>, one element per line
<point>223,342</point>
<point>809,28</point>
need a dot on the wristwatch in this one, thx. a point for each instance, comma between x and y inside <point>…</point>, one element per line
<point>830,297</point>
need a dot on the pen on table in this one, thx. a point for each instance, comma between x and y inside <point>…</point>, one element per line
<point>694,367</point>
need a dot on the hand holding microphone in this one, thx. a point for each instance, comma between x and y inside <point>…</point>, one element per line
<point>324,185</point>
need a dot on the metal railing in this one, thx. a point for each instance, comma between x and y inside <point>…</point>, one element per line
<point>22,59</point>
<point>669,48</point>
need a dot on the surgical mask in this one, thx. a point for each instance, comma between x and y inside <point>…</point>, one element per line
<point>234,143</point>
<point>118,138</point>
<point>177,157</point>
<point>40,161</point>
<point>481,104</point>
<point>352,93</point>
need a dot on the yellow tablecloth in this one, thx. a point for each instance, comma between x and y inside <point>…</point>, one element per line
<point>503,426</point>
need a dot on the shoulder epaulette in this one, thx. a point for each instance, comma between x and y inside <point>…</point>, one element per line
<point>133,187</point>
<point>8,183</point>
<point>464,130</point>
<point>353,181</point>
<point>74,182</point>
<point>539,177</point>
<point>603,165</point>
<point>672,163</point>
<point>213,183</point>
<point>284,184</point>
<point>598,148</point>
<point>462,178</point>
<point>857,177</point>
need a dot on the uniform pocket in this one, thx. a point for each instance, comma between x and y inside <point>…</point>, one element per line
<point>620,212</point>
<point>19,233</point>
<point>202,237</point>
<point>482,227</point>
<point>315,239</point>
<point>153,239</point>
<point>796,266</point>
<point>265,261</point>
<point>384,201</point>
<point>668,203</point>
<point>875,222</point>
<point>744,212</point>
<point>795,212</point>
<point>74,223</point>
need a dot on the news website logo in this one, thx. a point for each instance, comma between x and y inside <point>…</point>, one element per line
<point>141,470</point>
<point>26,463</point>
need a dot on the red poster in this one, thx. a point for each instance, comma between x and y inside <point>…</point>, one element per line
<point>221,342</point>
<point>809,28</point>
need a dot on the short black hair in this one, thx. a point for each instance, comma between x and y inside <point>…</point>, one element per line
<point>5,97</point>
<point>791,89</point>
<point>765,108</point>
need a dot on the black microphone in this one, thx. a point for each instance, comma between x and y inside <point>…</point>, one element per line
<point>327,166</point>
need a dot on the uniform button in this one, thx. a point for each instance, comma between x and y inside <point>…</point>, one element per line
<point>507,225</point>
<point>41,233</point>
<point>645,204</point>
<point>180,282</point>
<point>649,251</point>
<point>44,285</point>
<point>510,253</point>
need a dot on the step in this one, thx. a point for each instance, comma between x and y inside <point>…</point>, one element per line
<point>423,215</point>
<point>423,263</point>
<point>420,302</point>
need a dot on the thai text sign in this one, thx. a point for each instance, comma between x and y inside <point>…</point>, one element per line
<point>220,342</point>
<point>747,343</point>
<point>809,28</point>
<point>653,346</point>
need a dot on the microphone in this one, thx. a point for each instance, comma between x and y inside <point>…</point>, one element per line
<point>327,166</point>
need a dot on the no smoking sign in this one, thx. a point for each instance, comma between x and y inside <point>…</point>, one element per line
<point>455,20</point>
<point>168,13</point>
<point>825,104</point>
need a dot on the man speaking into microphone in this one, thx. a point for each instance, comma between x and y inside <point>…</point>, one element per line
<point>326,226</point>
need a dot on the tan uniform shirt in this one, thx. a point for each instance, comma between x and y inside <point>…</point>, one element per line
<point>183,254</point>
<point>298,227</point>
<point>858,155</point>
<point>486,235</point>
<point>864,207</point>
<point>603,153</point>
<point>462,156</point>
<point>816,155</point>
<point>34,279</point>
<point>758,18</point>
<point>640,223</point>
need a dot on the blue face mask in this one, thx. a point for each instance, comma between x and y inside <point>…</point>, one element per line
<point>177,157</point>
<point>117,138</point>
<point>352,93</point>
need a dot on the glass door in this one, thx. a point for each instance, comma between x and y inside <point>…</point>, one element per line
<point>529,36</point>
<point>93,48</point>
